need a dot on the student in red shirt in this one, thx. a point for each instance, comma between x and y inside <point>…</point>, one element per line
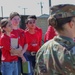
<point>0,50</point>
<point>33,38</point>
<point>19,33</point>
<point>9,63</point>
<point>50,33</point>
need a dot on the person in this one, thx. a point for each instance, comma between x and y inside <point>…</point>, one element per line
<point>8,62</point>
<point>50,33</point>
<point>19,33</point>
<point>0,51</point>
<point>33,38</point>
<point>57,56</point>
<point>36,27</point>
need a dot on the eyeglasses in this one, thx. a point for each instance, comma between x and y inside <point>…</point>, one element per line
<point>31,22</point>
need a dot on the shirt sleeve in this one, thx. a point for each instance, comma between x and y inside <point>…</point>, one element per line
<point>42,60</point>
<point>40,36</point>
<point>22,38</point>
<point>50,34</point>
<point>4,45</point>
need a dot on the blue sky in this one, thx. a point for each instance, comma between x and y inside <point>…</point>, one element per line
<point>32,6</point>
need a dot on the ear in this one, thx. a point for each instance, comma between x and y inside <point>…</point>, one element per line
<point>71,24</point>
<point>4,28</point>
<point>26,26</point>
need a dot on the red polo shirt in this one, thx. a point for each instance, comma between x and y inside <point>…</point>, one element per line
<point>49,34</point>
<point>0,39</point>
<point>40,34</point>
<point>6,55</point>
<point>19,33</point>
<point>33,40</point>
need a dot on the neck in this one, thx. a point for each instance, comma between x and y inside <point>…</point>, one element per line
<point>67,34</point>
<point>8,33</point>
<point>32,31</point>
<point>15,27</point>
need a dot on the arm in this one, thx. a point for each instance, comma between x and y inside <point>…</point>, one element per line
<point>22,52</point>
<point>16,51</point>
<point>25,48</point>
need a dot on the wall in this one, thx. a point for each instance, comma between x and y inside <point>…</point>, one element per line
<point>42,23</point>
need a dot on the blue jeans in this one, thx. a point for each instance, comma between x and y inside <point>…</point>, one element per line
<point>0,68</point>
<point>0,60</point>
<point>9,68</point>
<point>19,66</point>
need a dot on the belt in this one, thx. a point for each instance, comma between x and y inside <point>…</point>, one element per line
<point>33,53</point>
<point>9,62</point>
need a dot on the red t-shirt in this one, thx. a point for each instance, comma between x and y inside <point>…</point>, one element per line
<point>19,33</point>
<point>49,34</point>
<point>33,40</point>
<point>6,55</point>
<point>40,34</point>
<point>0,38</point>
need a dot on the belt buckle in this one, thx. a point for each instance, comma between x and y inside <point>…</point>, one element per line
<point>33,53</point>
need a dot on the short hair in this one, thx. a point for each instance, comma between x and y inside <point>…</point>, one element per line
<point>13,14</point>
<point>32,16</point>
<point>4,22</point>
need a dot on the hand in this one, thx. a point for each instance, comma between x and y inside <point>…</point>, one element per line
<point>23,59</point>
<point>14,51</point>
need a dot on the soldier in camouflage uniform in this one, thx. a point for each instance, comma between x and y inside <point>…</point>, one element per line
<point>57,56</point>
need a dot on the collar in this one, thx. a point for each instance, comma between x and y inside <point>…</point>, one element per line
<point>65,40</point>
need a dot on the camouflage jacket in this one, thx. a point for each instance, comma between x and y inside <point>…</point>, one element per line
<point>56,57</point>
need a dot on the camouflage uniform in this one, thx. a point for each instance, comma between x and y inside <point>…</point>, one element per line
<point>56,57</point>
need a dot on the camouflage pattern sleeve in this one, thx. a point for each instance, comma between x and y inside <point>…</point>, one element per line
<point>42,60</point>
<point>56,57</point>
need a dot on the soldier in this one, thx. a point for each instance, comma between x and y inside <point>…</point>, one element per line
<point>57,56</point>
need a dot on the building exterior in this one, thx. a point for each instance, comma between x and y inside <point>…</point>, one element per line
<point>42,23</point>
